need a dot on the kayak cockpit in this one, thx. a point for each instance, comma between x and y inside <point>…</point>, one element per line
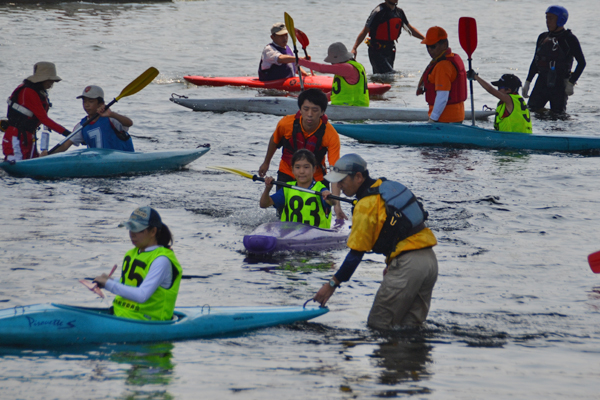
<point>106,312</point>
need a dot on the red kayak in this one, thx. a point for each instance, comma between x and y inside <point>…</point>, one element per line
<point>290,84</point>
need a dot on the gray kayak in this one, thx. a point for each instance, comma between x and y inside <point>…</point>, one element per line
<point>285,106</point>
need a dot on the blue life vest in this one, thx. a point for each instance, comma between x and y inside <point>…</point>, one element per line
<point>405,215</point>
<point>101,134</point>
<point>275,72</point>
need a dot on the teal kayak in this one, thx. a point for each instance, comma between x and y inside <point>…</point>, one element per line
<point>101,162</point>
<point>54,325</point>
<point>465,136</point>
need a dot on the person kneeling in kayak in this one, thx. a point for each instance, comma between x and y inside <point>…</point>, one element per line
<point>108,131</point>
<point>150,275</point>
<point>299,206</point>
<point>508,93</point>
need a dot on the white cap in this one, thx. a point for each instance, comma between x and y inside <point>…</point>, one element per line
<point>92,92</point>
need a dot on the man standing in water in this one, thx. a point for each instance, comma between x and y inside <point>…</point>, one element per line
<point>384,27</point>
<point>552,62</point>
<point>277,60</point>
<point>444,81</point>
<point>387,219</point>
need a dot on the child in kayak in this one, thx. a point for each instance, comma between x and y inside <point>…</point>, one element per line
<point>512,114</point>
<point>108,131</point>
<point>146,293</point>
<point>299,206</point>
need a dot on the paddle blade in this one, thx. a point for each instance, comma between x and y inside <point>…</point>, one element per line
<point>289,25</point>
<point>594,260</point>
<point>467,34</point>
<point>139,83</point>
<point>240,172</point>
<point>302,38</point>
<point>92,286</point>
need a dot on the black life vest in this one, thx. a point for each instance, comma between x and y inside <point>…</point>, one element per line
<point>313,143</point>
<point>275,72</point>
<point>554,51</point>
<point>405,215</point>
<point>19,116</point>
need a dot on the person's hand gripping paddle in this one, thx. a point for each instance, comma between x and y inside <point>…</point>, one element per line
<point>93,286</point>
<point>467,34</point>
<point>138,84</point>
<point>289,25</point>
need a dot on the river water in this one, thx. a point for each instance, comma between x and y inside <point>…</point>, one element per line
<point>515,310</point>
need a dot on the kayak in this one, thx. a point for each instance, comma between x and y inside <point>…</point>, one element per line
<point>101,162</point>
<point>294,236</point>
<point>322,82</point>
<point>465,136</point>
<point>51,325</point>
<point>285,106</point>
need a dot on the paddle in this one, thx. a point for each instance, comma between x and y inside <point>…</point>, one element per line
<point>303,39</point>
<point>594,261</point>
<point>467,34</point>
<point>138,84</point>
<point>248,175</point>
<point>289,25</point>
<point>94,286</point>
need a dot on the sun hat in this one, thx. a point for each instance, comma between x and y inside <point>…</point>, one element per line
<point>346,165</point>
<point>338,53</point>
<point>92,92</point>
<point>434,35</point>
<point>509,81</point>
<point>142,218</point>
<point>279,29</point>
<point>44,71</point>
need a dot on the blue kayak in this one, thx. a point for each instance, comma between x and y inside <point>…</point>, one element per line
<point>465,136</point>
<point>294,236</point>
<point>53,325</point>
<point>101,162</point>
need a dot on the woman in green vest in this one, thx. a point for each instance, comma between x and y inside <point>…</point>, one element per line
<point>150,275</point>
<point>512,114</point>
<point>297,206</point>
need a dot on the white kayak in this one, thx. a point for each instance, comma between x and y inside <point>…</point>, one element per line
<point>285,106</point>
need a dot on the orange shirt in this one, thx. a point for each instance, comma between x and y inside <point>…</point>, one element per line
<point>442,76</point>
<point>331,140</point>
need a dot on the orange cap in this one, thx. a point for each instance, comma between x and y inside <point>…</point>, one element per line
<point>434,35</point>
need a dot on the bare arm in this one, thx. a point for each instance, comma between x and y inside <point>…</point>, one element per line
<point>125,121</point>
<point>265,199</point>
<point>262,170</point>
<point>64,147</point>
<point>413,31</point>
<point>361,36</point>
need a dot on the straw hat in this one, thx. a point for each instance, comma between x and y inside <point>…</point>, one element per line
<point>44,71</point>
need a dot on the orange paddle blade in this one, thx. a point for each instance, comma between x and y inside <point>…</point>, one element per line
<point>594,260</point>
<point>302,38</point>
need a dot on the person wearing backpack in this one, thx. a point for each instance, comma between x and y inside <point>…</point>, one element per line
<point>387,219</point>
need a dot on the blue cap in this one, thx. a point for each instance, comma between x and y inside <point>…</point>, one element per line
<point>561,13</point>
<point>142,218</point>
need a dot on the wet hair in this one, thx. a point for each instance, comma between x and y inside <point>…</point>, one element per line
<point>304,154</point>
<point>163,236</point>
<point>315,96</point>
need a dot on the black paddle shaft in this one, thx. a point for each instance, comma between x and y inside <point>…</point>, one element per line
<point>287,185</point>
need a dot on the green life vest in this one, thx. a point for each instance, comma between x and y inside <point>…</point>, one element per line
<point>519,119</point>
<point>160,306</point>
<point>305,208</point>
<point>344,94</point>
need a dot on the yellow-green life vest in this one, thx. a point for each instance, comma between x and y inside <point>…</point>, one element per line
<point>344,94</point>
<point>519,119</point>
<point>305,208</point>
<point>160,306</point>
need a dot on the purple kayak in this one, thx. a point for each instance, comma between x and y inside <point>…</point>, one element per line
<point>293,236</point>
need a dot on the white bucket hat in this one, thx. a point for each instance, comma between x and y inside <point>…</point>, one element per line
<point>44,71</point>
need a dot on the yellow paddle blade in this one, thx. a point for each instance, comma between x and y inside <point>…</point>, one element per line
<point>241,172</point>
<point>289,25</point>
<point>139,83</point>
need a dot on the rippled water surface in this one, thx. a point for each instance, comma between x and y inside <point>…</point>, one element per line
<point>515,310</point>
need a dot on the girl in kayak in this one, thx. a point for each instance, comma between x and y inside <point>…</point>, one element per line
<point>298,206</point>
<point>144,293</point>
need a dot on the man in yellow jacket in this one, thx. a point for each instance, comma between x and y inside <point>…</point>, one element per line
<point>404,296</point>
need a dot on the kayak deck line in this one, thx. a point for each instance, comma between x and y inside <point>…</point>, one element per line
<point>95,162</point>
<point>282,106</point>
<point>467,136</point>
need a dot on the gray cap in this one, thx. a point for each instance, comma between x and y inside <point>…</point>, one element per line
<point>142,218</point>
<point>346,165</point>
<point>92,92</point>
<point>279,29</point>
<point>338,53</point>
